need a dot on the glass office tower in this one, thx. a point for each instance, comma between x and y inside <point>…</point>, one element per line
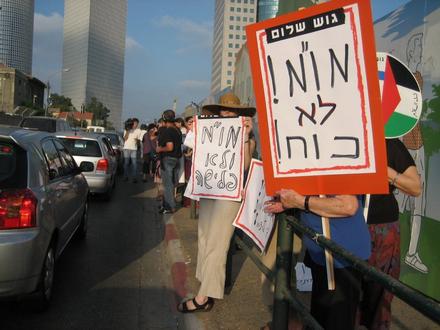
<point>94,51</point>
<point>16,34</point>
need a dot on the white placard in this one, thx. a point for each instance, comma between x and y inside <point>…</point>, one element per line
<point>218,158</point>
<point>316,96</point>
<point>251,218</point>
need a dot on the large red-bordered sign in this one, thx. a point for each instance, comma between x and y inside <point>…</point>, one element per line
<point>318,100</point>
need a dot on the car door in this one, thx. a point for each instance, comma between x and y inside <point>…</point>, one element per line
<point>110,154</point>
<point>75,198</point>
<point>57,191</point>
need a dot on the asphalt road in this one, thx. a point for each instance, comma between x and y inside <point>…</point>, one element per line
<point>118,278</point>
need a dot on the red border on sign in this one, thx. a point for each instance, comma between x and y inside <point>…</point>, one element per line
<point>374,183</point>
<point>240,211</point>
<point>240,189</point>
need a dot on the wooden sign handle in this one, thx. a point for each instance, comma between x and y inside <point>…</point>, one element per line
<point>329,262</point>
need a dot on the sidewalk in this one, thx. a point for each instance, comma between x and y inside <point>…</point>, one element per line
<point>242,307</point>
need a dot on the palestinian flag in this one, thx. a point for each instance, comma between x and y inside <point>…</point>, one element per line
<point>401,96</point>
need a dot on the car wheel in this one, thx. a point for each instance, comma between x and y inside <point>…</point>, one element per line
<point>83,226</point>
<point>44,290</point>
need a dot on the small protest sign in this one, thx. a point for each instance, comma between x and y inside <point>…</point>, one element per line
<point>401,96</point>
<point>251,217</point>
<point>218,158</point>
<point>315,79</point>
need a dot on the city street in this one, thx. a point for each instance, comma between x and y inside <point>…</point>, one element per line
<point>116,279</point>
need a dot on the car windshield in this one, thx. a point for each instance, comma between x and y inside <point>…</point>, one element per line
<point>40,124</point>
<point>82,147</point>
<point>13,166</point>
<point>113,138</point>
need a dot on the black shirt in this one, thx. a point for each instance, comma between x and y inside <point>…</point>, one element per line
<point>384,208</point>
<point>170,134</point>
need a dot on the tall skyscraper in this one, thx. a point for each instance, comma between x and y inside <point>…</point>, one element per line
<point>266,9</point>
<point>231,17</point>
<point>16,34</point>
<point>94,51</point>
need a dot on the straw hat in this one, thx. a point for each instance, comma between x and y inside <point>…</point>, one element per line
<point>229,102</point>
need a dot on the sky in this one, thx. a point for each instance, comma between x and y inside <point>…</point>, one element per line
<point>168,51</point>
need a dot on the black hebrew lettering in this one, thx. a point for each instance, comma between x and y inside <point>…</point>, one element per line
<point>315,142</point>
<point>232,136</point>
<point>306,25</point>
<point>207,131</point>
<point>334,60</point>
<point>272,75</point>
<point>289,148</point>
<point>355,155</point>
<point>221,147</point>
<point>311,116</point>
<point>292,72</point>
<point>277,139</point>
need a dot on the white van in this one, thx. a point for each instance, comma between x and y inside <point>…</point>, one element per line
<point>95,129</point>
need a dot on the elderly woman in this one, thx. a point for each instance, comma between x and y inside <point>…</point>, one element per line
<point>215,219</point>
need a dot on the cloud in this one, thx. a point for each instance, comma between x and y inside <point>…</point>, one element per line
<point>194,84</point>
<point>194,35</point>
<point>48,48</point>
<point>131,44</point>
<point>48,24</point>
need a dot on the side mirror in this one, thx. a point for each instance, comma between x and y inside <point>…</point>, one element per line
<point>86,167</point>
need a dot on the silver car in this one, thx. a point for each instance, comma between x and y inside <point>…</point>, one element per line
<point>43,203</point>
<point>95,148</point>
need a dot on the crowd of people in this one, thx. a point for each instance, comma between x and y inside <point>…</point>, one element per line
<point>165,160</point>
<point>167,154</point>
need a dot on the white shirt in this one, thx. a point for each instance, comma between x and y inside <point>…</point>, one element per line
<point>190,140</point>
<point>133,137</point>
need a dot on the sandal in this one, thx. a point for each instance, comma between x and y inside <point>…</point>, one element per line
<point>206,307</point>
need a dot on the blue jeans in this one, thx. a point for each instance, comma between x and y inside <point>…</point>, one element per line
<point>130,154</point>
<point>170,171</point>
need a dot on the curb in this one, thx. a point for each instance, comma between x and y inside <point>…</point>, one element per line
<point>179,269</point>
<point>179,272</point>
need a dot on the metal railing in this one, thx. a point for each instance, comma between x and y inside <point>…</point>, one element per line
<point>284,297</point>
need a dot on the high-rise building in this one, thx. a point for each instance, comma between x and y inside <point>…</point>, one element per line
<point>266,9</point>
<point>94,52</point>
<point>16,34</point>
<point>231,17</point>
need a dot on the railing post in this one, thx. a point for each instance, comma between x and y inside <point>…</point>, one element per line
<point>283,268</point>
<point>193,208</point>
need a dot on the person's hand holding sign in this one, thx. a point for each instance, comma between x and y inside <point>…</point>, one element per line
<point>248,126</point>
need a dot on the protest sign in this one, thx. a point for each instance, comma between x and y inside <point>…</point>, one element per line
<point>218,158</point>
<point>401,96</point>
<point>251,217</point>
<point>319,111</point>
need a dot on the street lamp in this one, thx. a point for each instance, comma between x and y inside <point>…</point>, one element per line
<point>48,87</point>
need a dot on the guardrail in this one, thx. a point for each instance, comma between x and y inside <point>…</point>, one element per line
<point>284,296</point>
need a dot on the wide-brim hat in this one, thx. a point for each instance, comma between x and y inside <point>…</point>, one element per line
<point>230,102</point>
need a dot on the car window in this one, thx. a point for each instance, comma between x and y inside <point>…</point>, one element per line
<point>67,159</point>
<point>82,147</point>
<point>113,139</point>
<point>39,124</point>
<point>107,145</point>
<point>13,166</point>
<point>52,158</point>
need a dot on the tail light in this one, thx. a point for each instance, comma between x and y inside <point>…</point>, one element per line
<point>18,209</point>
<point>102,165</point>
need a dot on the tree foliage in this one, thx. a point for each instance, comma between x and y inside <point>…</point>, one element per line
<point>99,110</point>
<point>62,102</point>
<point>431,127</point>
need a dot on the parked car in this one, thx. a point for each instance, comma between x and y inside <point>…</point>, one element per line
<point>118,145</point>
<point>43,203</point>
<point>95,148</point>
<point>10,119</point>
<point>46,124</point>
